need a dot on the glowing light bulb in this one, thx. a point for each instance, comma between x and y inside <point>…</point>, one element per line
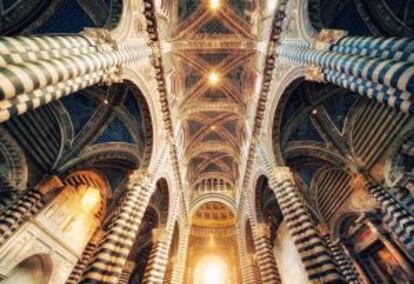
<point>90,198</point>
<point>214,4</point>
<point>213,78</point>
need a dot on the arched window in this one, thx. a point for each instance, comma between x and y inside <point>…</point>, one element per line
<point>36,269</point>
<point>267,207</point>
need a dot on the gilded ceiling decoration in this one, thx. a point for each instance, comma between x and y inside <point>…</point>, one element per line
<point>213,214</point>
<point>217,83</point>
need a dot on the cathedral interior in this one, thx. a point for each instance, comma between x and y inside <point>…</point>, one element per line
<point>206,141</point>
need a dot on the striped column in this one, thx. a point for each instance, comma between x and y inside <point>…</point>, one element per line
<point>401,191</point>
<point>158,259</point>
<point>86,257</point>
<point>396,216</point>
<point>168,275</point>
<point>18,214</point>
<point>180,265</point>
<point>36,70</point>
<point>253,268</point>
<point>114,248</point>
<point>246,264</point>
<point>356,261</point>
<point>345,265</point>
<point>318,261</point>
<point>126,272</point>
<point>399,49</point>
<point>381,69</point>
<point>25,208</point>
<point>264,254</point>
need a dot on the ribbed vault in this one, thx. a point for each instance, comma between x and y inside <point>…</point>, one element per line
<point>214,54</point>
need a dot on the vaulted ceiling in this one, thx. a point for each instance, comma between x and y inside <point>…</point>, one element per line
<point>214,53</point>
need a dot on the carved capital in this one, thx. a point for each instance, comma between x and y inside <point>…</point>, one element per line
<point>158,235</point>
<point>137,177</point>
<point>327,37</point>
<point>98,236</point>
<point>113,75</point>
<point>50,184</point>
<point>263,230</point>
<point>129,267</point>
<point>282,174</point>
<point>314,74</point>
<point>323,229</point>
<point>101,38</point>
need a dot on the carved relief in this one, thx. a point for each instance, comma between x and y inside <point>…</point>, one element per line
<point>314,74</point>
<point>137,177</point>
<point>101,38</point>
<point>327,37</point>
<point>291,27</point>
<point>263,230</point>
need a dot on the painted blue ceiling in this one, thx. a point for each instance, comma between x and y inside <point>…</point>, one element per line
<point>80,109</point>
<point>338,108</point>
<point>114,176</point>
<point>131,104</point>
<point>70,17</point>
<point>57,16</point>
<point>355,27</point>
<point>308,171</point>
<point>16,15</point>
<point>110,128</point>
<point>116,131</point>
<point>305,131</point>
<point>306,95</point>
<point>364,17</point>
<point>303,99</point>
<point>294,103</point>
